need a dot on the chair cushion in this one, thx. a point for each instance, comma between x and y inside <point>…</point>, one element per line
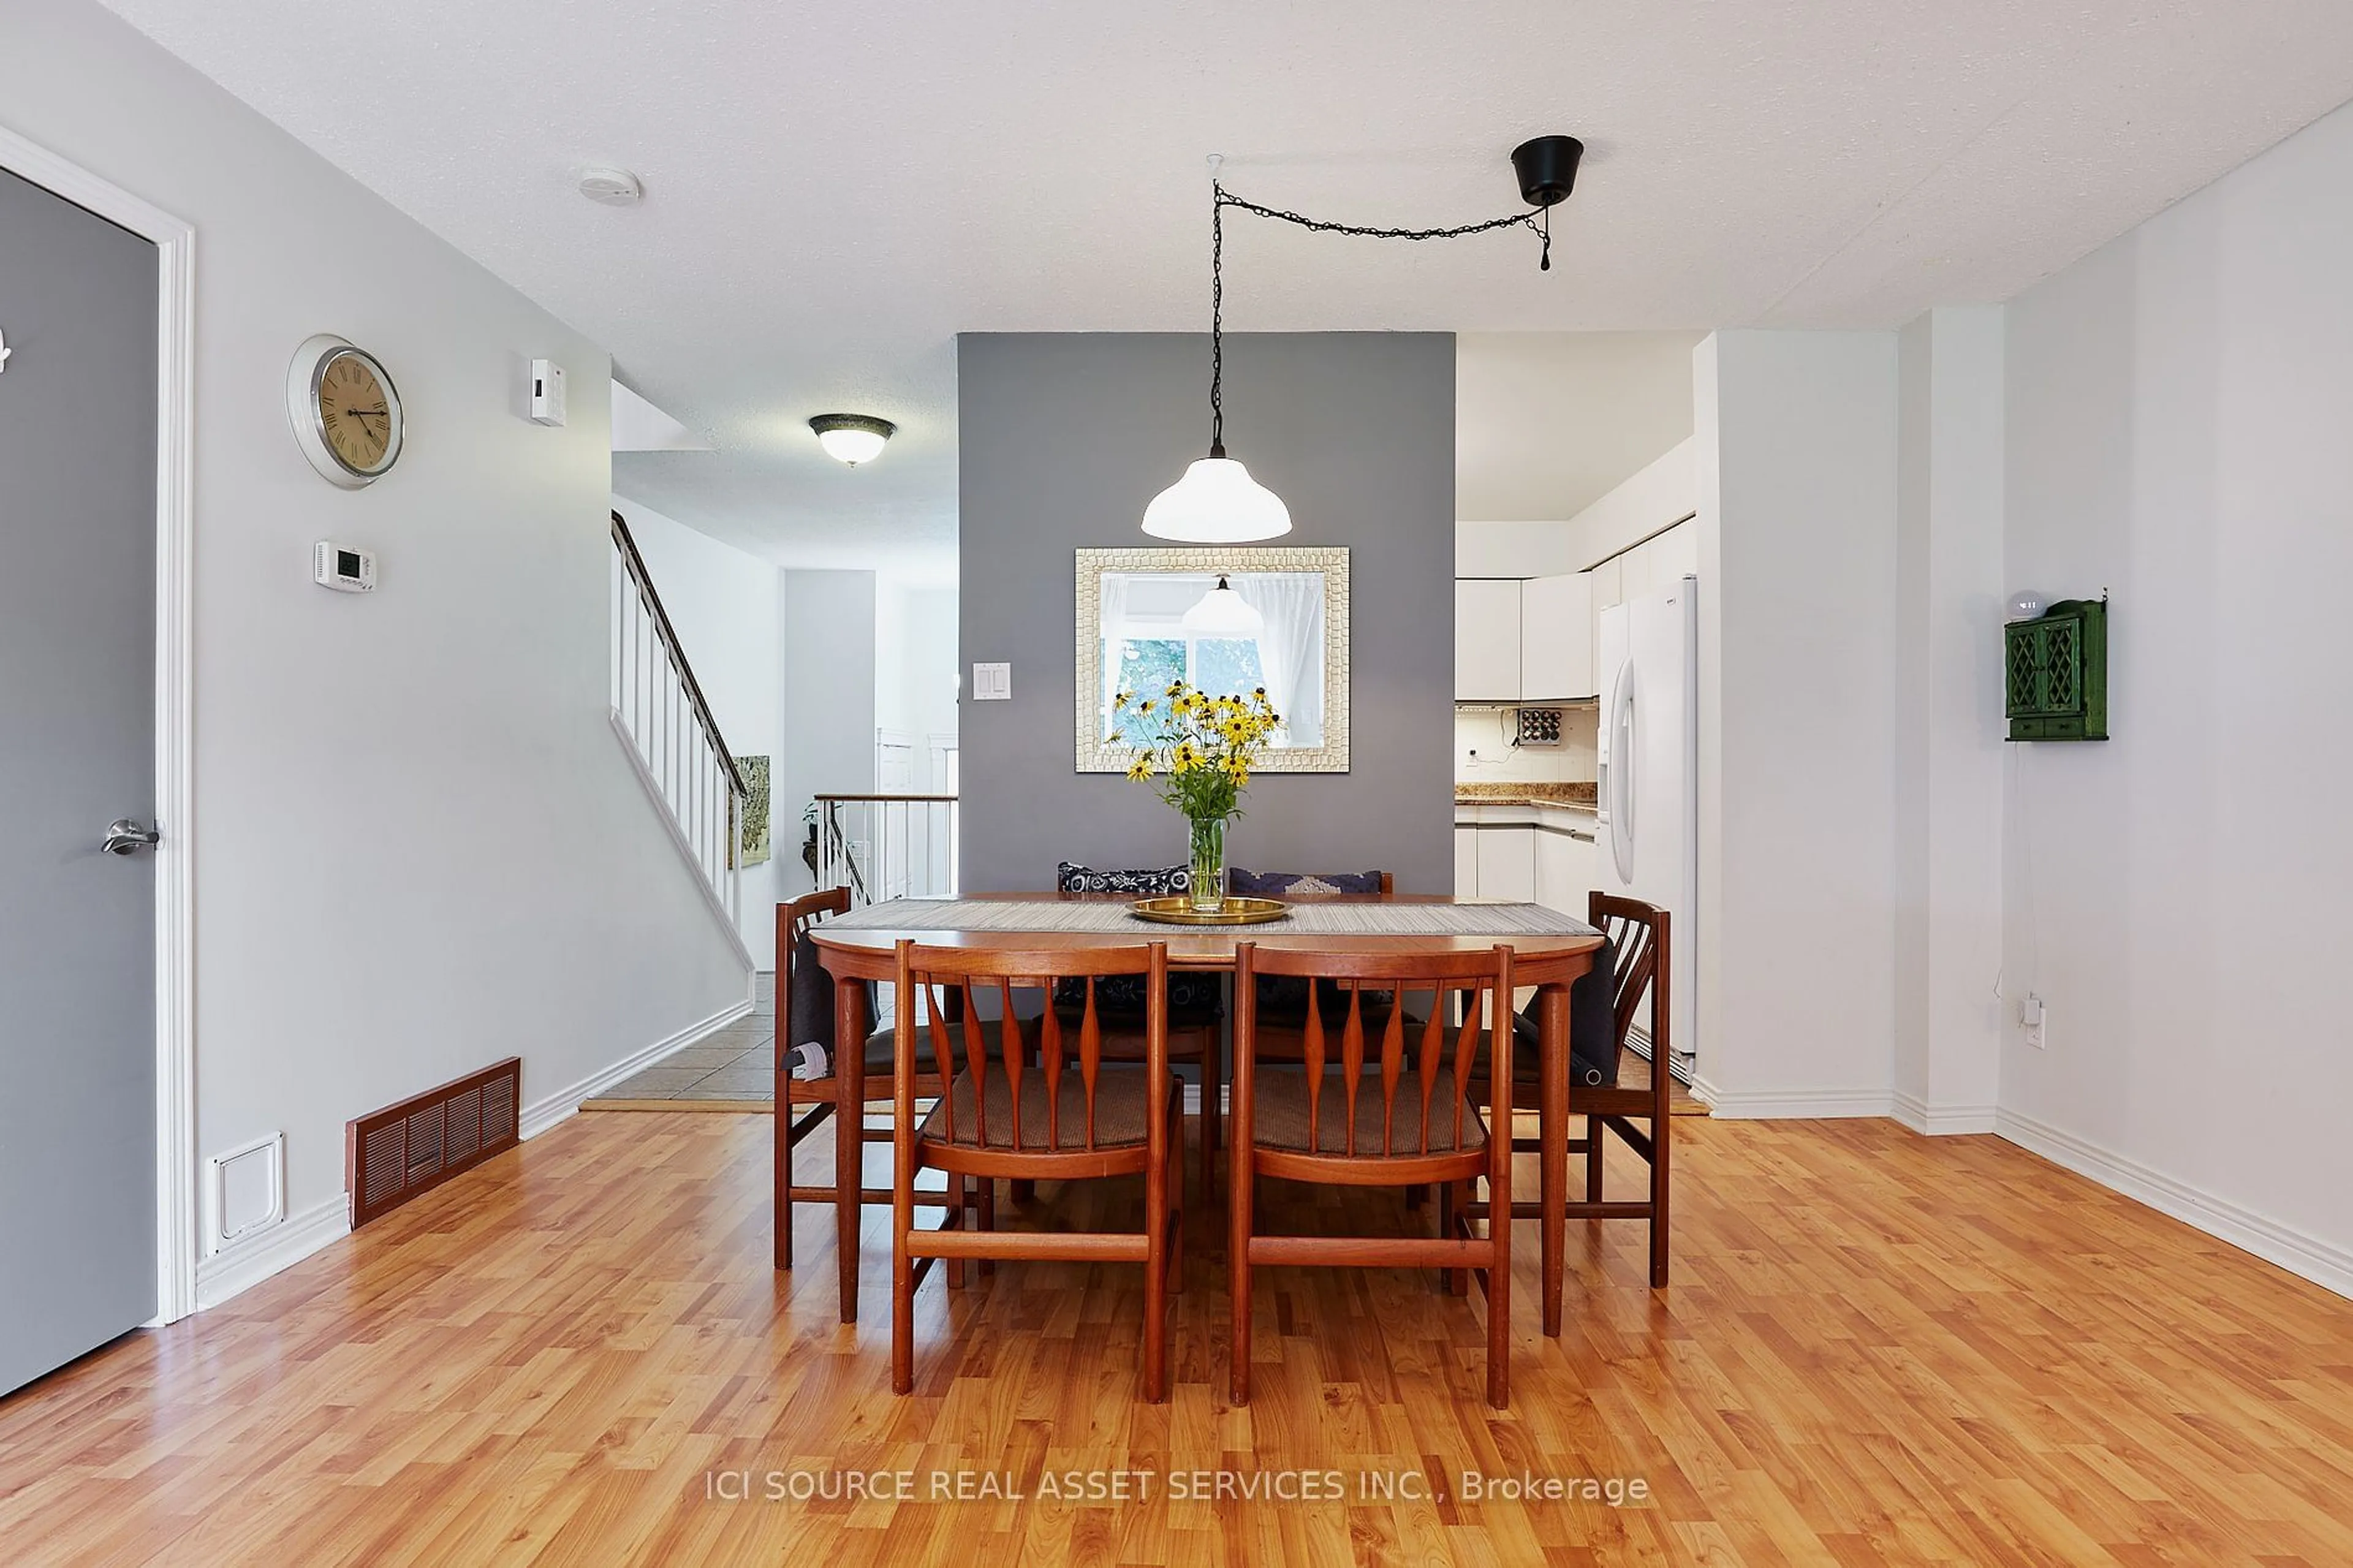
<point>1122,1111</point>
<point>1193,999</point>
<point>1593,1042</point>
<point>1279,1114</point>
<point>809,1015</point>
<point>883,1046</point>
<point>1302,884</point>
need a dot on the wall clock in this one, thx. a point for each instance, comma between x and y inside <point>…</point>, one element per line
<point>345,410</point>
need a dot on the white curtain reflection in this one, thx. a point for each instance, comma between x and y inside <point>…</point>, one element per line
<point>1290,647</point>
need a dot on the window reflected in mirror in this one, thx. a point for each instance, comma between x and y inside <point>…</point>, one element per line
<point>1145,644</point>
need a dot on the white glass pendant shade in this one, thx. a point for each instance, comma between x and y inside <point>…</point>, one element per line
<point>1222,613</point>
<point>1217,503</point>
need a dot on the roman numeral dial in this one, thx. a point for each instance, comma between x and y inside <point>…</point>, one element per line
<point>349,418</point>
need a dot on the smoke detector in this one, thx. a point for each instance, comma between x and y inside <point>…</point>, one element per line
<point>612,187</point>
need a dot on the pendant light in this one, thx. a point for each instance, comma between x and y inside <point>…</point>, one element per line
<point>1222,613</point>
<point>1217,502</point>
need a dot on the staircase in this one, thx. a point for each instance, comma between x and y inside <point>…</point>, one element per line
<point>666,727</point>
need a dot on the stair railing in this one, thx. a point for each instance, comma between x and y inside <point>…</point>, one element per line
<point>659,710</point>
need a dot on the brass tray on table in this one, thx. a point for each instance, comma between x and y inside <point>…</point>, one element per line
<point>1235,911</point>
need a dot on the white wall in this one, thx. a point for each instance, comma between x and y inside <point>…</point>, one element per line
<point>726,607</point>
<point>1797,497</point>
<point>419,846</point>
<point>829,739</point>
<point>2181,432</point>
<point>1658,496</point>
<point>1654,498</point>
<point>915,669</point>
<point>1948,720</point>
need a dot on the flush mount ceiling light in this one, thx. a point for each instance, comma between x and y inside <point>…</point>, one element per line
<point>853,438</point>
<point>1217,502</point>
<point>612,187</point>
<point>1222,613</point>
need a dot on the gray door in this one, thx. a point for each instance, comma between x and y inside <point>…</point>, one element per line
<point>77,1225</point>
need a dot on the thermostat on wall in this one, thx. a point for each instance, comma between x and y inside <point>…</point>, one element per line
<point>342,568</point>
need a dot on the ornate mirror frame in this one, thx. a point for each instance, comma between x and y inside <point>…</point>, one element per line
<point>1332,757</point>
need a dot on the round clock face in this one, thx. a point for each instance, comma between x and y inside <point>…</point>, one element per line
<point>345,412</point>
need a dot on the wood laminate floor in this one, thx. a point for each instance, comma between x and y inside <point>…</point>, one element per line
<point>1879,1348</point>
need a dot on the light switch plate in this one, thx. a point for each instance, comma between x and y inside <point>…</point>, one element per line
<point>992,683</point>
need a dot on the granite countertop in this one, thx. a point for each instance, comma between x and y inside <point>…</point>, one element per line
<point>1581,795</point>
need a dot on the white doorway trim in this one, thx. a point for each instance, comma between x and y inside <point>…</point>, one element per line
<point>175,1040</point>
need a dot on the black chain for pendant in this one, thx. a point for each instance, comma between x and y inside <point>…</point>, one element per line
<point>1224,198</point>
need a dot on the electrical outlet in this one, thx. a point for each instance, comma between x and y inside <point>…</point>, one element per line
<point>2034,1018</point>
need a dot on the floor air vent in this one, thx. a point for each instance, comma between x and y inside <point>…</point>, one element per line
<point>393,1154</point>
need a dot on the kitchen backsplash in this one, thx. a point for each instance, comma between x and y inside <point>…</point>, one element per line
<point>1483,751</point>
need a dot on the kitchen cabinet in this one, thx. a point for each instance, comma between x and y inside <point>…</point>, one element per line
<point>1524,641</point>
<point>1568,868</point>
<point>1486,639</point>
<point>1466,861</point>
<point>1557,638</point>
<point>1507,863</point>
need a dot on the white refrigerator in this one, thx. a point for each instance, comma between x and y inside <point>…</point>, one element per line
<point>1648,821</point>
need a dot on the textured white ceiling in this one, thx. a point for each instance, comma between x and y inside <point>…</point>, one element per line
<point>834,191</point>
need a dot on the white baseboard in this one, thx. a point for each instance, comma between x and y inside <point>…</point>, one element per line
<point>546,1112</point>
<point>1942,1121</point>
<point>1791,1104</point>
<point>2308,1257</point>
<point>249,1260</point>
<point>1192,1095</point>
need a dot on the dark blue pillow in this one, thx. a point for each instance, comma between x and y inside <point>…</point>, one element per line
<point>1301,884</point>
<point>1283,998</point>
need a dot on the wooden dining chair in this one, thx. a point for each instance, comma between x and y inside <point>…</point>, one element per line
<point>803,1105</point>
<point>1282,1001</point>
<point>1196,1023</point>
<point>1638,934</point>
<point>1639,952</point>
<point>1382,1105</point>
<point>1033,1100</point>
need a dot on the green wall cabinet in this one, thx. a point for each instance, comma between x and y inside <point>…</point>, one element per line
<point>2056,673</point>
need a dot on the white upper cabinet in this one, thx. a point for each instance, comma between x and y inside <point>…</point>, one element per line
<point>1527,641</point>
<point>1557,637</point>
<point>1486,639</point>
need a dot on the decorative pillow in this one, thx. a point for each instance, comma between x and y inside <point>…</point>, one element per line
<point>1165,884</point>
<point>1192,998</point>
<point>1283,998</point>
<point>1301,884</point>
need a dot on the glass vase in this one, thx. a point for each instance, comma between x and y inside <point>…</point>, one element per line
<point>1208,888</point>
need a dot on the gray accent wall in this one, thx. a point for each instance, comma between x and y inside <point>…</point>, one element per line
<point>1064,440</point>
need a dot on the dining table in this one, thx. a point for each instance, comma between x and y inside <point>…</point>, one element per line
<point>1550,949</point>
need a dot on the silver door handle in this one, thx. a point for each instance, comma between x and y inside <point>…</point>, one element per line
<point>124,835</point>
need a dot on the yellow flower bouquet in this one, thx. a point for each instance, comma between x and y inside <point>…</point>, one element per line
<point>1197,751</point>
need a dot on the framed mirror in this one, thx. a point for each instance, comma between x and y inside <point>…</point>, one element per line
<point>1148,617</point>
